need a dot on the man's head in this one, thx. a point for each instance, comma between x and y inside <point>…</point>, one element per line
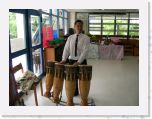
<point>78,26</point>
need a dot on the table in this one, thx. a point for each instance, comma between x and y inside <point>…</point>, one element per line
<point>111,51</point>
<point>93,51</point>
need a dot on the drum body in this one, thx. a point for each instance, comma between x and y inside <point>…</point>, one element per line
<point>85,74</point>
<point>70,83</point>
<point>58,82</point>
<point>49,77</point>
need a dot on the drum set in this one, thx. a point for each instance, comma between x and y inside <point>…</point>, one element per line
<point>57,74</point>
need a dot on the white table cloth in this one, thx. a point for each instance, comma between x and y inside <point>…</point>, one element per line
<point>93,52</point>
<point>111,51</point>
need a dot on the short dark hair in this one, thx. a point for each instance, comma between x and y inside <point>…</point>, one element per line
<point>78,21</point>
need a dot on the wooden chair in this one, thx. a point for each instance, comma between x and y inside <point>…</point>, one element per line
<point>18,68</point>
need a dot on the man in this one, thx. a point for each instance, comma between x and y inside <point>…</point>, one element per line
<point>76,48</point>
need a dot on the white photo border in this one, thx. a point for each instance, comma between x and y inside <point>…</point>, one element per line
<point>142,109</point>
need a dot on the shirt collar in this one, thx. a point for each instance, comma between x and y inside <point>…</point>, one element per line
<point>78,34</point>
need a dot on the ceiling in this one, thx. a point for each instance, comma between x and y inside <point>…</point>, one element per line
<point>104,10</point>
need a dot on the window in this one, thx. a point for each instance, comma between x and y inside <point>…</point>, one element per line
<point>37,61</point>
<point>122,24</point>
<point>16,31</point>
<point>60,23</point>
<point>54,22</point>
<point>35,30</point>
<point>65,26</point>
<point>100,24</point>
<point>134,25</point>
<point>60,12</point>
<point>45,19</point>
<point>65,14</point>
<point>108,25</point>
<point>95,24</point>
<point>54,11</point>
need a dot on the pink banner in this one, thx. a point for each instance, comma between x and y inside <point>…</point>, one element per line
<point>47,35</point>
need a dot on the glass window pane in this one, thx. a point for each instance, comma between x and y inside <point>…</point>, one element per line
<point>122,16</point>
<point>54,22</point>
<point>134,21</point>
<point>95,32</point>
<point>121,33</point>
<point>20,59</point>
<point>60,23</point>
<point>16,31</point>
<point>37,62</point>
<point>65,14</point>
<point>94,19</point>
<point>60,12</point>
<point>109,17</point>
<point>91,29</point>
<point>108,21</point>
<point>94,25</point>
<point>65,26</point>
<point>108,33</point>
<point>134,27</point>
<point>120,21</point>
<point>35,30</point>
<point>54,11</point>
<point>121,27</point>
<point>45,19</point>
<point>108,27</point>
<point>133,33</point>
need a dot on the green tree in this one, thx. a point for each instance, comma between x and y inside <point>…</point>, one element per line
<point>12,25</point>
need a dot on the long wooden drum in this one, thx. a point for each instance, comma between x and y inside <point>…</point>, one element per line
<point>58,82</point>
<point>49,77</point>
<point>85,75</point>
<point>70,83</point>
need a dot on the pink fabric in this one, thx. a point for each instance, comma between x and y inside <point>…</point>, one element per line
<point>111,52</point>
<point>47,35</point>
<point>115,39</point>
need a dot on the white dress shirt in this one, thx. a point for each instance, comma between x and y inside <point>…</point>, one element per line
<point>82,47</point>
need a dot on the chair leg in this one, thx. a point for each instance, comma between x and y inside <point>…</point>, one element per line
<point>41,86</point>
<point>35,96</point>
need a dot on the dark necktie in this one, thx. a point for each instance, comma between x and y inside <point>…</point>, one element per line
<point>76,42</point>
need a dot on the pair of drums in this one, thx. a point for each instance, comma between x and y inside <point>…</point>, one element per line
<point>71,74</point>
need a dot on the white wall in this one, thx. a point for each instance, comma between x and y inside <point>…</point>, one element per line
<point>72,19</point>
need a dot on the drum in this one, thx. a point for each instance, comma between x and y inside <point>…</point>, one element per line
<point>58,82</point>
<point>70,82</point>
<point>49,77</point>
<point>85,75</point>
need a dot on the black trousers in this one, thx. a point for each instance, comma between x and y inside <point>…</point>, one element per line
<point>71,62</point>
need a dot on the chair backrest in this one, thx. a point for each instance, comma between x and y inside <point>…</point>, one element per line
<point>17,68</point>
<point>13,94</point>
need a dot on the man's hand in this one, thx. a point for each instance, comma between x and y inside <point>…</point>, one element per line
<point>62,62</point>
<point>76,64</point>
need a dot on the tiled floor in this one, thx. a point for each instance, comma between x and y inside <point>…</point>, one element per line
<point>114,83</point>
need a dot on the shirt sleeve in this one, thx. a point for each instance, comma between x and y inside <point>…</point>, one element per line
<point>66,51</point>
<point>85,50</point>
